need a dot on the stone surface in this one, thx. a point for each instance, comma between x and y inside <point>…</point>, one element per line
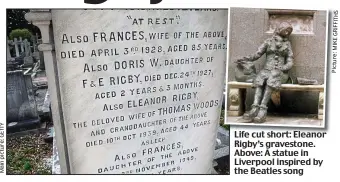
<point>291,87</point>
<point>41,60</point>
<point>222,150</point>
<point>160,111</point>
<point>55,157</point>
<point>19,92</point>
<point>36,55</point>
<point>222,146</point>
<point>40,81</point>
<point>223,135</point>
<point>304,81</point>
<point>8,53</point>
<point>21,104</point>
<point>279,99</point>
<point>40,96</point>
<point>28,61</point>
<point>302,21</point>
<point>11,64</point>
<point>309,47</point>
<point>47,104</point>
<point>49,137</point>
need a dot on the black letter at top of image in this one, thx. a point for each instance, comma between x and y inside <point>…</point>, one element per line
<point>94,1</point>
<point>155,1</point>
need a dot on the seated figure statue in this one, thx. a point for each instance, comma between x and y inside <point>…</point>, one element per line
<point>279,60</point>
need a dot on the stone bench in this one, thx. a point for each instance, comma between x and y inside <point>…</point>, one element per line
<point>237,91</point>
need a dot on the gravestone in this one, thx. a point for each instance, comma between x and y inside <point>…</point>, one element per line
<point>41,56</point>
<point>21,105</point>
<point>8,53</point>
<point>35,53</point>
<point>10,62</point>
<point>28,59</point>
<point>55,157</point>
<point>139,91</point>
<point>222,146</point>
<point>16,47</point>
<point>22,46</point>
<point>221,154</point>
<point>19,52</point>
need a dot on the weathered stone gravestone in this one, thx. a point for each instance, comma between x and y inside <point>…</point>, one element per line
<point>19,46</point>
<point>16,47</point>
<point>28,59</point>
<point>35,53</point>
<point>10,62</point>
<point>222,146</point>
<point>221,153</point>
<point>21,105</point>
<point>41,56</point>
<point>135,91</point>
<point>19,51</point>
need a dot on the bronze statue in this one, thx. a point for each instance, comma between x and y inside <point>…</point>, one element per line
<point>279,60</point>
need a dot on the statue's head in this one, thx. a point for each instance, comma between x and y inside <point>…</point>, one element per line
<point>284,30</point>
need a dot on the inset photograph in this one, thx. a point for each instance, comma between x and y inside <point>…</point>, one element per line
<point>276,67</point>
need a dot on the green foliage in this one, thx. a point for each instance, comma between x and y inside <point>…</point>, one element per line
<point>222,117</point>
<point>226,126</point>
<point>222,120</point>
<point>23,33</point>
<point>27,166</point>
<point>25,155</point>
<point>16,20</point>
<point>43,171</point>
<point>10,156</point>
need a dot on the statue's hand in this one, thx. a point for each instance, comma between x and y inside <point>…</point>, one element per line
<point>280,68</point>
<point>242,60</point>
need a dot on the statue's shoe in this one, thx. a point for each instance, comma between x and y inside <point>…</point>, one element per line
<point>261,116</point>
<point>249,116</point>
